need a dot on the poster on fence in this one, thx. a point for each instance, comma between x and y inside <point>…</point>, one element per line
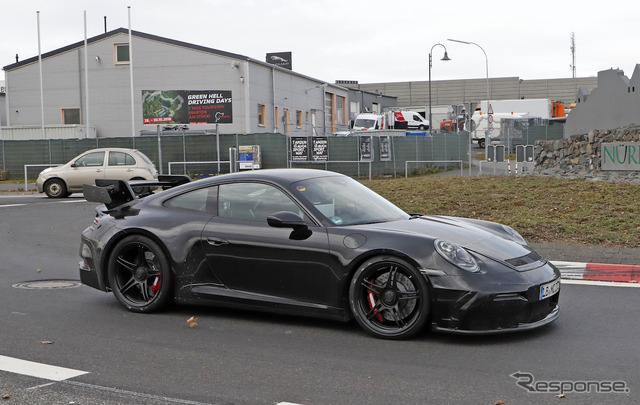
<point>320,148</point>
<point>299,148</point>
<point>385,148</point>
<point>366,153</point>
<point>187,107</point>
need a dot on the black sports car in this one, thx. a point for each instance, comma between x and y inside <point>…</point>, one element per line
<point>315,243</point>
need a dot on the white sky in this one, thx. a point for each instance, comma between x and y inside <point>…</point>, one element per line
<point>368,41</point>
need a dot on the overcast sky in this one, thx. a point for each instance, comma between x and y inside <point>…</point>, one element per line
<point>368,41</point>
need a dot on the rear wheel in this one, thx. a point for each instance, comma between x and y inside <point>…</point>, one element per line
<point>389,298</point>
<point>139,274</point>
<point>55,188</point>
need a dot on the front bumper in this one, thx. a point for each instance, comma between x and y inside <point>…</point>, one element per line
<point>494,307</point>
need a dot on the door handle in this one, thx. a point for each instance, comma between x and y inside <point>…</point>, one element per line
<point>216,242</point>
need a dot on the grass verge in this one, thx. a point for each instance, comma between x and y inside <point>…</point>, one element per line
<point>542,209</point>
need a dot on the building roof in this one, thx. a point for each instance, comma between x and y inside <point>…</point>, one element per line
<point>158,39</point>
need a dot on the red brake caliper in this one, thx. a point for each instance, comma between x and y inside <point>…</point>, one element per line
<point>156,285</point>
<point>372,303</point>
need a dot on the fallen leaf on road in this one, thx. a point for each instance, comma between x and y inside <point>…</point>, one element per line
<point>46,342</point>
<point>38,270</point>
<point>6,396</point>
<point>561,396</point>
<point>192,321</point>
<point>499,403</point>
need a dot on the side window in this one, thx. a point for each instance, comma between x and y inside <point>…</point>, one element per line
<point>201,200</point>
<point>253,201</point>
<point>92,159</point>
<point>121,159</point>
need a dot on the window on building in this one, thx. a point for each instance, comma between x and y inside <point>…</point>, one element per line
<point>328,112</point>
<point>341,112</point>
<point>261,115</point>
<point>307,116</point>
<point>298,119</point>
<point>287,122</point>
<point>375,108</point>
<point>277,119</point>
<point>70,116</point>
<point>121,54</point>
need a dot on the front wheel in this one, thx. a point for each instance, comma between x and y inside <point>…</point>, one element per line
<point>389,298</point>
<point>139,274</point>
<point>55,188</point>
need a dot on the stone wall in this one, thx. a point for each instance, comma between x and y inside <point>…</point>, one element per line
<point>579,155</point>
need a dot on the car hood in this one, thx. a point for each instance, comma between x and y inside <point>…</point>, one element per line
<point>472,236</point>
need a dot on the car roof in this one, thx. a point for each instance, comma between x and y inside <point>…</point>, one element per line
<point>279,175</point>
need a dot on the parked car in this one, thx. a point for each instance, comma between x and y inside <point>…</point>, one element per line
<point>314,243</point>
<point>111,163</point>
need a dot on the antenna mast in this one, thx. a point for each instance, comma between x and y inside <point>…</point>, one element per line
<point>573,55</point>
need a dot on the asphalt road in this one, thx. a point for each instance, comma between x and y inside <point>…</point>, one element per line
<point>235,357</point>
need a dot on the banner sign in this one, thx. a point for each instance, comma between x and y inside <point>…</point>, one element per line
<point>365,147</point>
<point>620,156</point>
<point>299,148</point>
<point>282,59</point>
<point>187,107</point>
<point>385,148</point>
<point>320,147</point>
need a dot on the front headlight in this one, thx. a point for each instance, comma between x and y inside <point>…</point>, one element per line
<point>515,236</point>
<point>456,255</point>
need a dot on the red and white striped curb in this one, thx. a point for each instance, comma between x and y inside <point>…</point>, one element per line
<point>621,273</point>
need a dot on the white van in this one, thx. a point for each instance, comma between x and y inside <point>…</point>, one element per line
<point>368,122</point>
<point>407,120</point>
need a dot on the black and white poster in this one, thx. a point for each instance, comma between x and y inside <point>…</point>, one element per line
<point>320,147</point>
<point>385,148</point>
<point>299,148</point>
<point>366,152</point>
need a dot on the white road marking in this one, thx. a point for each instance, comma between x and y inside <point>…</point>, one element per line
<point>600,283</point>
<point>71,201</point>
<point>11,205</point>
<point>38,370</point>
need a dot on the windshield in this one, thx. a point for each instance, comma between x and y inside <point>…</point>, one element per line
<point>344,201</point>
<point>365,123</point>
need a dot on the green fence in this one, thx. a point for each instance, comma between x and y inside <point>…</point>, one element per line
<point>343,153</point>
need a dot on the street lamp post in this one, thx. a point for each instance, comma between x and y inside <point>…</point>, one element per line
<point>486,145</point>
<point>445,58</point>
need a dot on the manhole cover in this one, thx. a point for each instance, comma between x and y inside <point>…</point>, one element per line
<point>47,284</point>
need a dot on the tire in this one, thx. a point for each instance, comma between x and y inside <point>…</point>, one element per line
<point>389,298</point>
<point>56,188</point>
<point>481,143</point>
<point>139,274</point>
<point>421,127</point>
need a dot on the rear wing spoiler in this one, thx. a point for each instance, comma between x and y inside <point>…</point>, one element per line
<point>114,193</point>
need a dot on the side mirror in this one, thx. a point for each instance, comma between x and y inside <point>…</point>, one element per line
<point>287,219</point>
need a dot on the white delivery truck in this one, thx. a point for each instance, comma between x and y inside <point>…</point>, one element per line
<point>490,113</point>
<point>407,120</point>
<point>390,120</point>
<point>369,122</point>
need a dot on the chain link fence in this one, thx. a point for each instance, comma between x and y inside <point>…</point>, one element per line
<point>344,154</point>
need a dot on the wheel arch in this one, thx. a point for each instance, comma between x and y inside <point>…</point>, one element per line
<point>115,239</point>
<point>360,260</point>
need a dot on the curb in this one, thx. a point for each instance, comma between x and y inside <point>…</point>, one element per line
<point>621,273</point>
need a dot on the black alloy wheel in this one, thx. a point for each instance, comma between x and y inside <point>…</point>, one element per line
<point>389,298</point>
<point>139,274</point>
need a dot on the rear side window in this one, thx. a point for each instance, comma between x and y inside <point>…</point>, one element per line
<point>200,200</point>
<point>121,159</point>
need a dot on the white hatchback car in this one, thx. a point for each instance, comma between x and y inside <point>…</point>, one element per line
<point>107,163</point>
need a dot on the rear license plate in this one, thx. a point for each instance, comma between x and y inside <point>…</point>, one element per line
<point>549,289</point>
